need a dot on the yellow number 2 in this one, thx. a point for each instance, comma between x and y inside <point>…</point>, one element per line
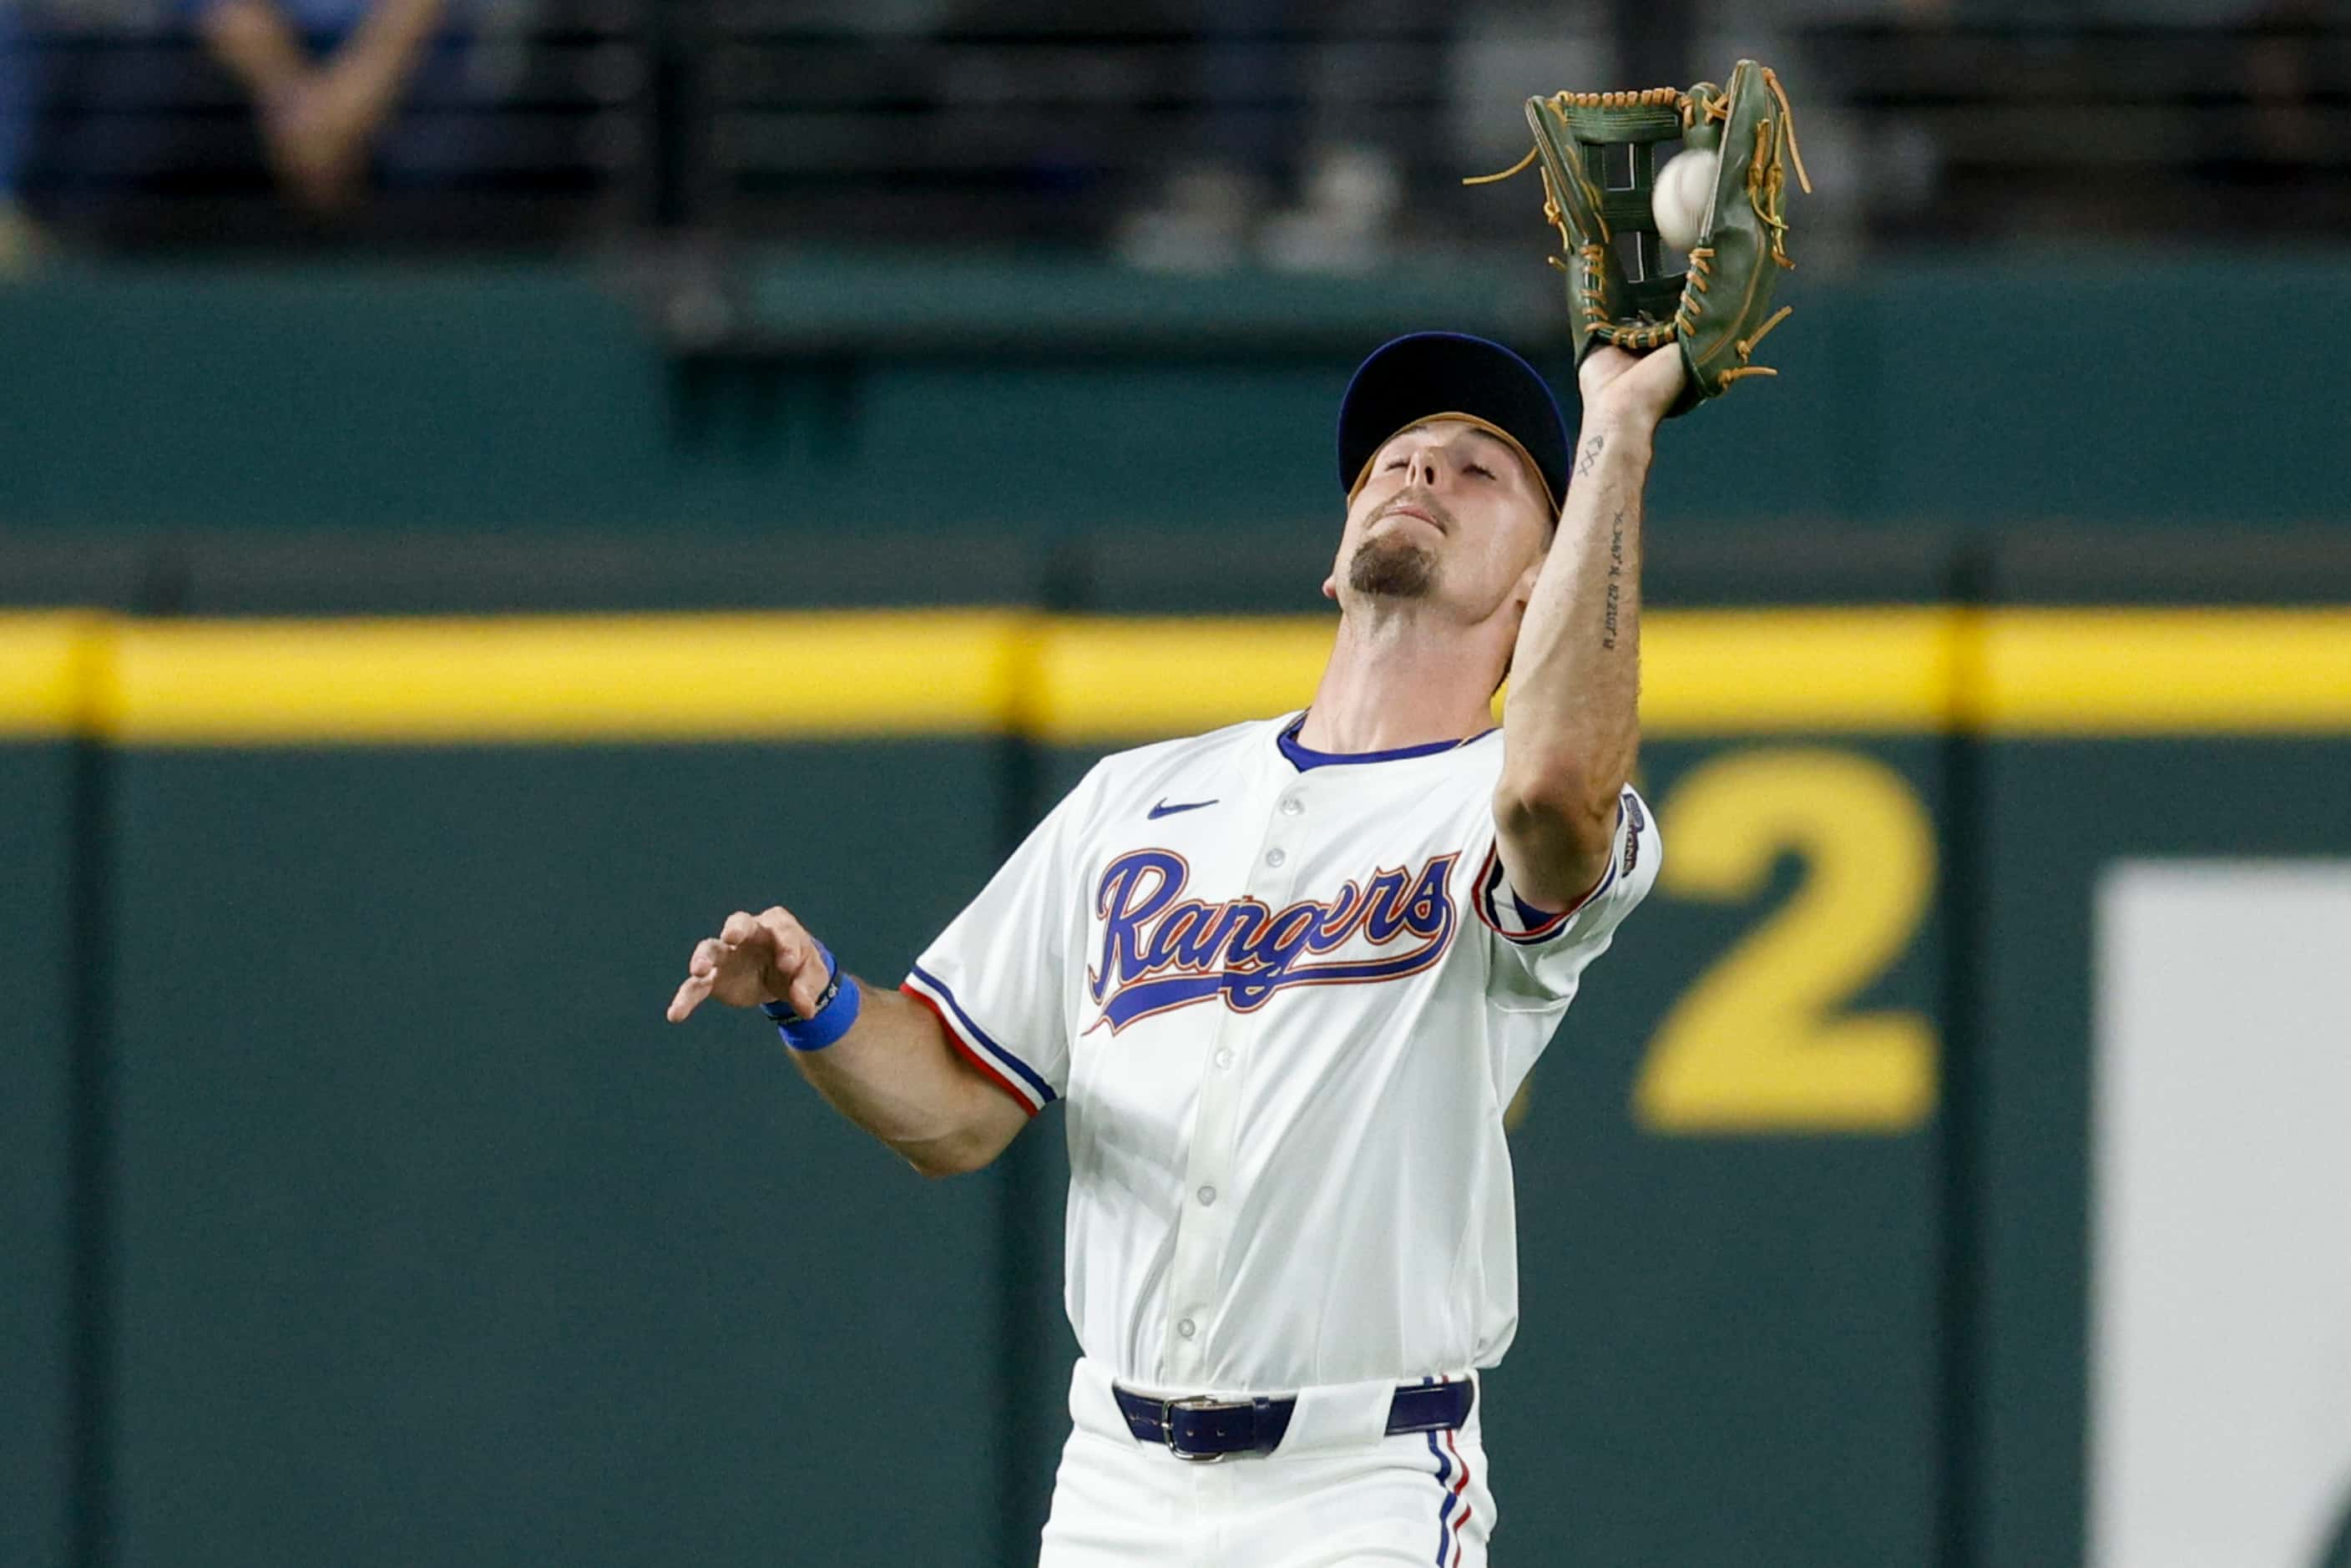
<point>1759,1044</point>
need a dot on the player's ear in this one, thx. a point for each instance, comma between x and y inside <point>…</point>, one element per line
<point>1523,591</point>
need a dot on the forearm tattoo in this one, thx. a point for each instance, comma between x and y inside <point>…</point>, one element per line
<point>1592,450</point>
<point>1616,575</point>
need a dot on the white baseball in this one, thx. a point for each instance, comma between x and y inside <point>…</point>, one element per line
<point>1684,187</point>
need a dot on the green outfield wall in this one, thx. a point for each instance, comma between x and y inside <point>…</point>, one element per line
<point>363,1209</point>
<point>825,395</point>
<point>40,1106</point>
<point>2068,809</point>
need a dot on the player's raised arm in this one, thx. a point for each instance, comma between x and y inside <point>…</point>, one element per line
<point>1573,725</point>
<point>882,1061</point>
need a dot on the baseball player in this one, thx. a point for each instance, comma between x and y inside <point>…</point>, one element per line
<point>1285,977</point>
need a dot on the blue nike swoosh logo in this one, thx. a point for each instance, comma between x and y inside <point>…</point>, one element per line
<point>1164,810</point>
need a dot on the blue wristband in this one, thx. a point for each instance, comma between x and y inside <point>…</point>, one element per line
<point>836,1009</point>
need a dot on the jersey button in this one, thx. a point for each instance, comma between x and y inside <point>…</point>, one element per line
<point>1208,1196</point>
<point>1291,806</point>
<point>1186,1328</point>
<point>1224,1056</point>
<point>1275,857</point>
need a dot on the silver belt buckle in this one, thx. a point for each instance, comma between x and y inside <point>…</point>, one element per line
<point>1167,1408</point>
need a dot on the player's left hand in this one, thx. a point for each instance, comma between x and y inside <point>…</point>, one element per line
<point>1636,389</point>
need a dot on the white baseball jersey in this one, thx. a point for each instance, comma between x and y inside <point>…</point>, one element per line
<point>1287,997</point>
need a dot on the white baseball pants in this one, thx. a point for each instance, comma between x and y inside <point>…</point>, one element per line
<point>1338,1493</point>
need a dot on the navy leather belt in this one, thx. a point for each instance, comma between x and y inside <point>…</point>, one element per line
<point>1202,1428</point>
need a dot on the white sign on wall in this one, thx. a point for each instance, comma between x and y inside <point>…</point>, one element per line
<point>2220,1231</point>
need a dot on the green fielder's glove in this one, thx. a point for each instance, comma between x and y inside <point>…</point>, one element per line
<point>1718,310</point>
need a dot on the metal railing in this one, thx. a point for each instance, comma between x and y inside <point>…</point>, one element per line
<point>977,125</point>
<point>2041,130</point>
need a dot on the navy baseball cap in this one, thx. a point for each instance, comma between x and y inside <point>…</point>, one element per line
<point>1425,374</point>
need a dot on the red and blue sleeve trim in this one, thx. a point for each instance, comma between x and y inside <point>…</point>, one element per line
<point>1007,1071</point>
<point>1524,924</point>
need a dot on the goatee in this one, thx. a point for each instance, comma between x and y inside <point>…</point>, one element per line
<point>1392,567</point>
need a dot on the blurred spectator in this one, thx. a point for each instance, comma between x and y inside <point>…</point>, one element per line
<point>2284,78</point>
<point>1245,85</point>
<point>1296,96</point>
<point>238,122</point>
<point>17,109</point>
<point>1375,87</point>
<point>325,77</point>
<point>2274,166</point>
